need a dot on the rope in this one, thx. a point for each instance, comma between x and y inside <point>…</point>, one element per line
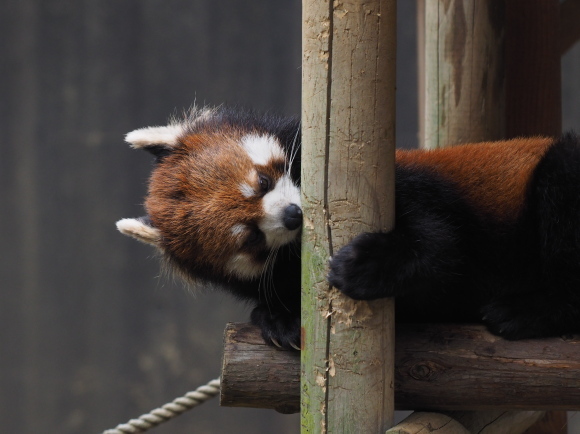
<point>169,410</point>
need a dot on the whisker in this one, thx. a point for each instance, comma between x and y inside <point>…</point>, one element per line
<point>294,149</point>
<point>266,278</point>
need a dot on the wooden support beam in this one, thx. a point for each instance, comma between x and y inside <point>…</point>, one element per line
<point>463,75</point>
<point>437,423</point>
<point>553,422</point>
<point>457,422</point>
<point>348,143</point>
<point>255,374</point>
<point>437,367</point>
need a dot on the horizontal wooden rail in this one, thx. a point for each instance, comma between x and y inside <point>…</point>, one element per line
<point>466,422</point>
<point>257,375</point>
<point>438,367</point>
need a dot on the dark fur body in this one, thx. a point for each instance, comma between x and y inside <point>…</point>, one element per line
<point>486,232</point>
<point>449,260</point>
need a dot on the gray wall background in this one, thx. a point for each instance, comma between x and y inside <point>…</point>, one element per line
<point>92,333</point>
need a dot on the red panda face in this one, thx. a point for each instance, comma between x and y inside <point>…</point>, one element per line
<point>223,201</point>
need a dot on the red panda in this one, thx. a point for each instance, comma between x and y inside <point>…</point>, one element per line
<point>483,232</point>
<point>224,208</point>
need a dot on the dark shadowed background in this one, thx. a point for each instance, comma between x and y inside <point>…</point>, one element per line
<point>92,333</point>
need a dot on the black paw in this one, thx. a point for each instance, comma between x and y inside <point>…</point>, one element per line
<point>280,329</point>
<point>358,269</point>
<point>517,319</point>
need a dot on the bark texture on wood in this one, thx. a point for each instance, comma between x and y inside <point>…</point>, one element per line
<point>256,375</point>
<point>438,367</point>
<point>347,187</point>
<point>496,421</point>
<point>422,422</point>
<point>479,89</point>
<point>464,71</point>
<point>457,422</point>
<point>461,367</point>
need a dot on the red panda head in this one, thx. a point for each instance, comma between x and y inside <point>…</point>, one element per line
<point>221,197</point>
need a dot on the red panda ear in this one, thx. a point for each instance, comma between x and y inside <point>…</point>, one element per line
<point>160,141</point>
<point>140,229</point>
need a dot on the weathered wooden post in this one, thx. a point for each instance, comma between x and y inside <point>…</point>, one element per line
<point>348,139</point>
<point>464,82</point>
<point>475,90</point>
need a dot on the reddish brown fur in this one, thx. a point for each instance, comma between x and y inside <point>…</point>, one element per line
<point>196,190</point>
<point>498,183</point>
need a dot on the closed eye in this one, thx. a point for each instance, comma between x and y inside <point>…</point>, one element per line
<point>254,238</point>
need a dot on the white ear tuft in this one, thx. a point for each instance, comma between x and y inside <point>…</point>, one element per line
<point>140,230</point>
<point>167,136</point>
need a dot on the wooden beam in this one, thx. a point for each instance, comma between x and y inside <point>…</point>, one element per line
<point>348,140</point>
<point>553,422</point>
<point>438,367</point>
<point>256,375</point>
<point>421,422</point>
<point>456,422</point>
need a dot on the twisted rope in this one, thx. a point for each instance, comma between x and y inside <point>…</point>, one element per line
<point>169,410</point>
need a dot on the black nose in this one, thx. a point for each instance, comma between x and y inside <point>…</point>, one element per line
<point>292,217</point>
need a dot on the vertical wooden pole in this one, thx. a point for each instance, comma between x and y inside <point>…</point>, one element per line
<point>348,137</point>
<point>464,72</point>
<point>467,98</point>
<point>421,69</point>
